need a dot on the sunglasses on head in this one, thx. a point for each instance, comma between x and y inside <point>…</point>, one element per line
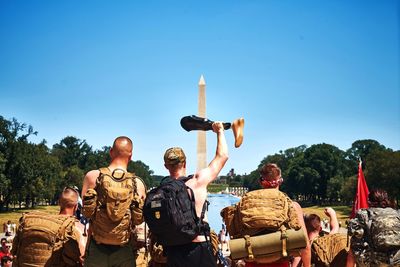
<point>71,188</point>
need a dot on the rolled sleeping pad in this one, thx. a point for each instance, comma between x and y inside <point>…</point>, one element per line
<point>263,246</point>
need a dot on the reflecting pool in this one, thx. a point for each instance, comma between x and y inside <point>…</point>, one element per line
<point>217,203</point>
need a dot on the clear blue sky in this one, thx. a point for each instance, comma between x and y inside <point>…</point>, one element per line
<point>299,72</point>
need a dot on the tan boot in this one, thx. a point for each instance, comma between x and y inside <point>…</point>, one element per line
<point>237,128</point>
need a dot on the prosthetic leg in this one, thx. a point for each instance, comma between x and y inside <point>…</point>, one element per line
<point>190,123</point>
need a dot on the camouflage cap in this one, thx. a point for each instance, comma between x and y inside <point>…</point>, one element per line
<point>174,155</point>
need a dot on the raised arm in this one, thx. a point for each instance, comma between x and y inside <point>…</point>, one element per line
<point>333,221</point>
<point>209,174</point>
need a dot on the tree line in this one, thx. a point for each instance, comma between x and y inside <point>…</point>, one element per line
<point>323,173</point>
<point>31,173</point>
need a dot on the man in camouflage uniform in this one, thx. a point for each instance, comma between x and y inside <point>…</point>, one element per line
<point>375,233</point>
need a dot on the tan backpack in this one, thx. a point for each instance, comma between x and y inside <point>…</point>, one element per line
<point>260,212</point>
<point>117,207</point>
<point>330,250</point>
<point>47,240</point>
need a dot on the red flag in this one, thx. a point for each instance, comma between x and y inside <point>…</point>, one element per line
<point>361,199</point>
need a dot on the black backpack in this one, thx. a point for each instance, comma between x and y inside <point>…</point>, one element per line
<point>169,211</point>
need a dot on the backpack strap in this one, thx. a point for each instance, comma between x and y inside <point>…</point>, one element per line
<point>204,209</point>
<point>181,178</point>
<point>132,176</point>
<point>99,179</point>
<point>199,220</point>
<point>284,237</point>
<point>63,228</point>
<point>61,238</point>
<point>18,237</point>
<point>249,248</point>
<point>204,226</point>
<point>136,201</point>
<point>185,179</point>
<point>114,174</point>
<point>67,228</point>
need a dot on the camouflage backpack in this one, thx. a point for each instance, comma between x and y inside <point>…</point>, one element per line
<point>114,206</point>
<point>376,237</point>
<point>329,250</point>
<point>46,240</point>
<point>260,211</point>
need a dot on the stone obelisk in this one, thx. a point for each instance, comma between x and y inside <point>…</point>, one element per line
<point>201,135</point>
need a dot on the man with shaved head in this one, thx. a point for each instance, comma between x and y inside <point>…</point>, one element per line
<point>122,147</point>
<point>64,234</point>
<point>113,201</point>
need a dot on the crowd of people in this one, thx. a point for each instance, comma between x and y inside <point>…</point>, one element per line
<point>6,257</point>
<point>113,201</point>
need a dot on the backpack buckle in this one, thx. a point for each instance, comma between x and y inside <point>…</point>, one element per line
<point>120,172</point>
<point>250,256</point>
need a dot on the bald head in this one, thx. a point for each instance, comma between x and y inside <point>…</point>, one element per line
<point>122,147</point>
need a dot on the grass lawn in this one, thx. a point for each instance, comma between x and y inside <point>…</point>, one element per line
<point>14,215</point>
<point>342,212</point>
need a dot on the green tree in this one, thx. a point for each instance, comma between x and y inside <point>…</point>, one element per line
<point>143,171</point>
<point>46,175</point>
<point>4,182</point>
<point>383,171</point>
<point>333,191</point>
<point>348,189</point>
<point>98,158</point>
<point>72,151</point>
<point>328,161</point>
<point>35,174</point>
<point>251,180</point>
<point>73,176</point>
<point>293,174</point>
<point>360,149</point>
<point>14,147</point>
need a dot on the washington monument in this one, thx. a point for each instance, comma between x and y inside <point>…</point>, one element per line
<point>201,135</point>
